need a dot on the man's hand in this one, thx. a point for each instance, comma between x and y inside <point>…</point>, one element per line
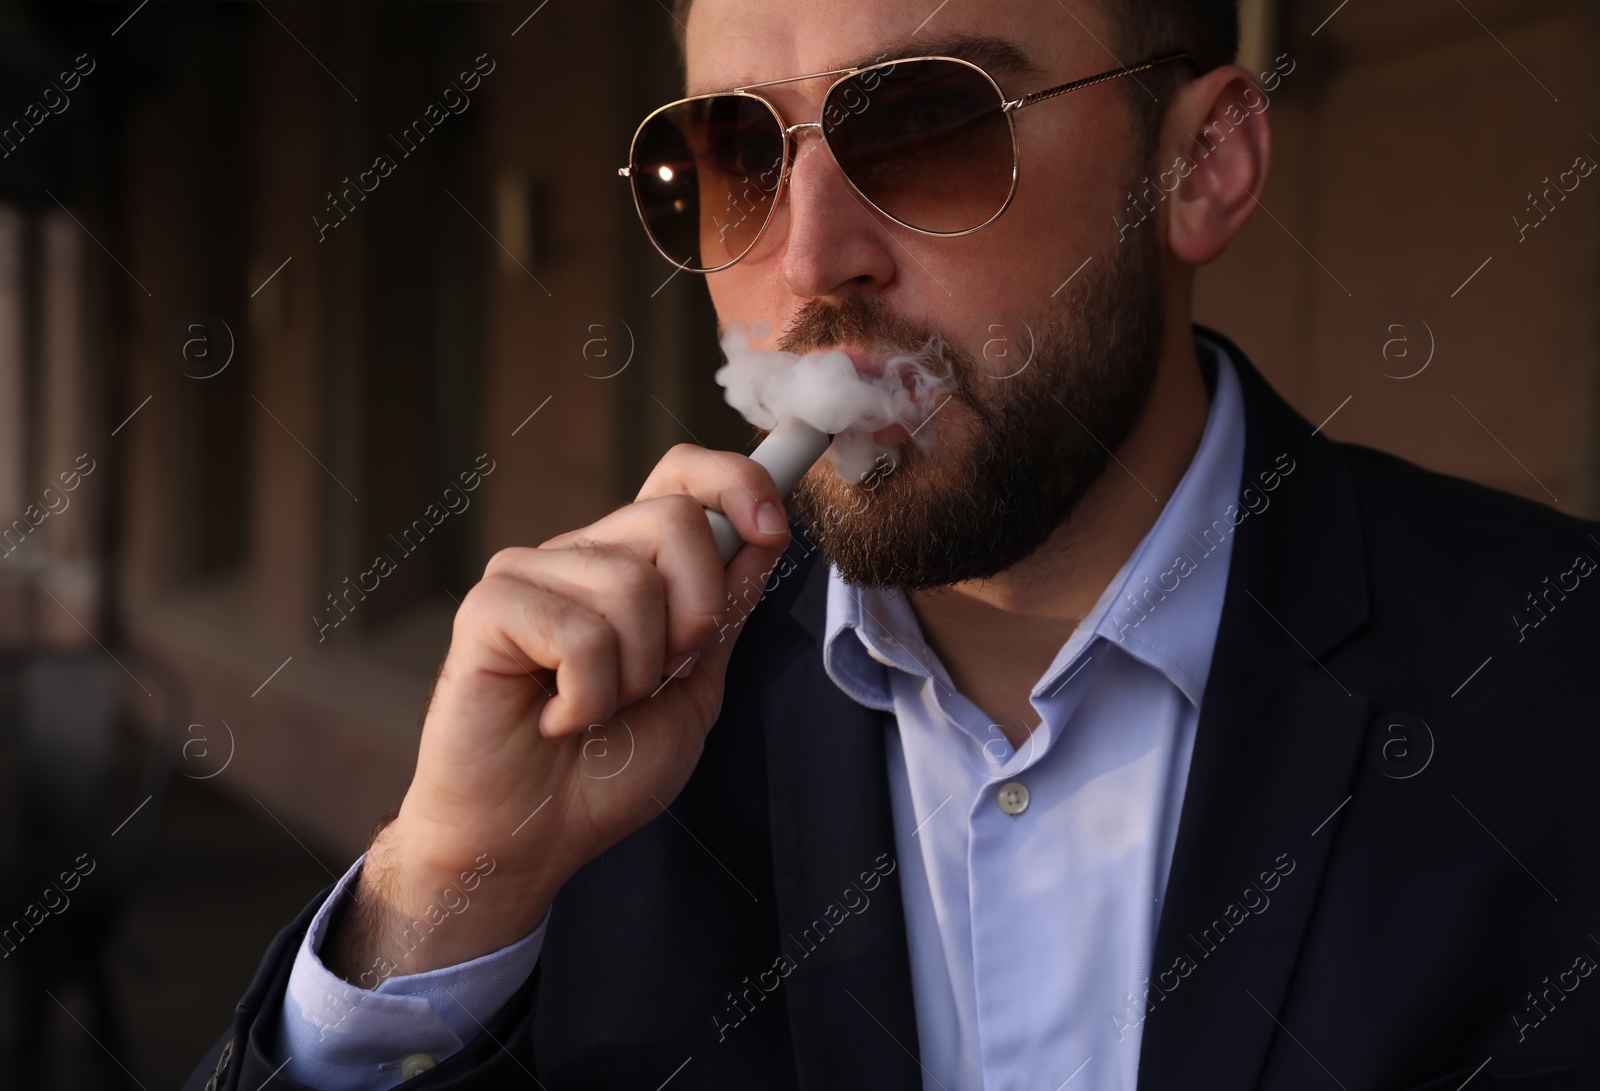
<point>551,734</point>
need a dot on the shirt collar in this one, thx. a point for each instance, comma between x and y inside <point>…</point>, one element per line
<point>1162,607</point>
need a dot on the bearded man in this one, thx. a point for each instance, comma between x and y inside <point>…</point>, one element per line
<point>1119,731</point>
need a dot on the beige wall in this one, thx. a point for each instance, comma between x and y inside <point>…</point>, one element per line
<point>328,744</point>
<point>1404,144</point>
<point>1406,140</point>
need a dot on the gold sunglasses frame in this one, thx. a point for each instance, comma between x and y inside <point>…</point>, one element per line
<point>1008,108</point>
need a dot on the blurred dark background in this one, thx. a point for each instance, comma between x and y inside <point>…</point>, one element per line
<point>237,364</point>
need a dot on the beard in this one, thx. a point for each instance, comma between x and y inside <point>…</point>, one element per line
<point>1015,454</point>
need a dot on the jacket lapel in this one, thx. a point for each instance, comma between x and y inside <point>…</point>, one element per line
<point>840,913</point>
<point>1276,752</point>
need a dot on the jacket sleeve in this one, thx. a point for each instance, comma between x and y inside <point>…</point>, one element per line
<point>248,1055</point>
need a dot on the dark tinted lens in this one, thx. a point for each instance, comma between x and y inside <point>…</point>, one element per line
<point>705,173</point>
<point>926,141</point>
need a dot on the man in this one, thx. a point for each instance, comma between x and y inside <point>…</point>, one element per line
<point>1128,734</point>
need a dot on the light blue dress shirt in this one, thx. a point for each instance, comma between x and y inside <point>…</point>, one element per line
<point>1032,878</point>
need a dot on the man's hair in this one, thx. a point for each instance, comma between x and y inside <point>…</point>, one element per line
<point>1207,30</point>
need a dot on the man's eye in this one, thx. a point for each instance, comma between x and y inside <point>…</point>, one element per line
<point>750,156</point>
<point>932,116</point>
<point>924,116</point>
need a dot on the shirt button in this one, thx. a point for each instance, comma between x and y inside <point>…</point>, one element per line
<point>416,1065</point>
<point>1013,797</point>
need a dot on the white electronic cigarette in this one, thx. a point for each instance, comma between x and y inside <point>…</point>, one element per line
<point>790,449</point>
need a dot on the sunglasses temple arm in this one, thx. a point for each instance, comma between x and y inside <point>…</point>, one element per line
<point>1090,81</point>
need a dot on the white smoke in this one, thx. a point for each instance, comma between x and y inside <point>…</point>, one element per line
<point>824,390</point>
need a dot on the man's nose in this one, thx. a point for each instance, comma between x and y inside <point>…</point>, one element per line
<point>834,241</point>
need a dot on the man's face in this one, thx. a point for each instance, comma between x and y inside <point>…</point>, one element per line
<point>1047,378</point>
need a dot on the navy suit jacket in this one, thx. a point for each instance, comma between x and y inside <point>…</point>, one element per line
<point>1387,710</point>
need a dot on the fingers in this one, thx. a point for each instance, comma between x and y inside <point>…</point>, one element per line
<point>509,626</point>
<point>669,534</point>
<point>739,487</point>
<point>619,605</point>
<point>625,591</point>
<point>596,617</point>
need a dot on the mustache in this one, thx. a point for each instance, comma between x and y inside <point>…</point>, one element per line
<point>856,320</point>
<point>867,322</point>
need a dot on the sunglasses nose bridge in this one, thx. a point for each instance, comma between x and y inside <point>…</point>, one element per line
<point>791,136</point>
<point>791,149</point>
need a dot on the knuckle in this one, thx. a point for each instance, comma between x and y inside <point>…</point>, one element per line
<point>589,638</point>
<point>751,476</point>
<point>679,510</point>
<point>638,581</point>
<point>674,466</point>
<point>699,630</point>
<point>475,600</point>
<point>504,560</point>
<point>478,602</point>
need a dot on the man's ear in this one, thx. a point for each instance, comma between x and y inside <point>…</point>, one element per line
<point>1217,141</point>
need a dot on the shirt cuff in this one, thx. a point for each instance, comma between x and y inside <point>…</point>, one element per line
<point>339,1037</point>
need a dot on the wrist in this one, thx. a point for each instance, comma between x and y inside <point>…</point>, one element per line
<point>413,911</point>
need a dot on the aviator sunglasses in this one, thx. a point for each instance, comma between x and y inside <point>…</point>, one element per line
<point>927,141</point>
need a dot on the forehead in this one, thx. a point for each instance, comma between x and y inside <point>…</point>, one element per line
<point>731,43</point>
